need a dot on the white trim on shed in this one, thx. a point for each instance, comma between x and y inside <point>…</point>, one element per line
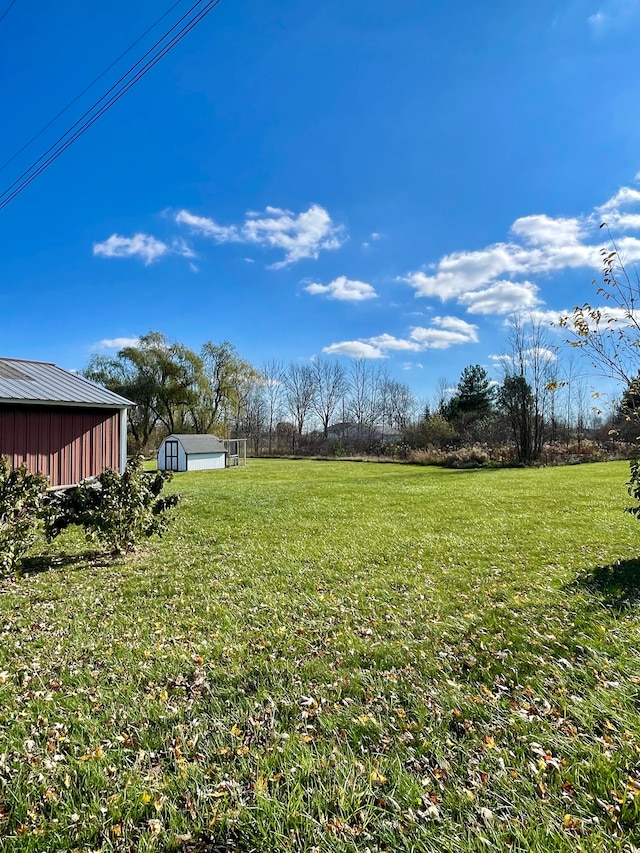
<point>191,453</point>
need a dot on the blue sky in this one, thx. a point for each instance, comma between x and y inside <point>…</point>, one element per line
<point>364,178</point>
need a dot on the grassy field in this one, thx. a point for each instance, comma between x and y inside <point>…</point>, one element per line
<point>334,657</point>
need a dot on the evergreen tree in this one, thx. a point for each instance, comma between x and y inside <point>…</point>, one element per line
<point>474,397</point>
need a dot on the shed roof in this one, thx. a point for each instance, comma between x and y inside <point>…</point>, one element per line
<point>199,443</point>
<point>50,385</point>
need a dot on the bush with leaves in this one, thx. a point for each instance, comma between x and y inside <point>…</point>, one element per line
<point>633,487</point>
<point>21,498</point>
<point>116,510</point>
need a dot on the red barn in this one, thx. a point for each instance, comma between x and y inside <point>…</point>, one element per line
<point>59,423</point>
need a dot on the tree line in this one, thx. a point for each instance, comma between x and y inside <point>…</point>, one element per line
<point>326,407</point>
<point>215,390</point>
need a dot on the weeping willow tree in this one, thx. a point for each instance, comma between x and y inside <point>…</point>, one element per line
<point>175,389</point>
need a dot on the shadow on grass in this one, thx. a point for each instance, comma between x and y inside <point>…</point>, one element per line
<point>616,585</point>
<point>51,562</point>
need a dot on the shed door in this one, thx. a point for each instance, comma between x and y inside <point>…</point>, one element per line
<point>171,455</point>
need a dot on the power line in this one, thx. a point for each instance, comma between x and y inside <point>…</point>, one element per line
<point>61,144</point>
<point>88,112</point>
<point>7,10</point>
<point>90,86</point>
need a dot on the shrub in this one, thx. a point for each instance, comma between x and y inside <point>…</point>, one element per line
<point>116,510</point>
<point>467,457</point>
<point>633,487</point>
<point>21,498</point>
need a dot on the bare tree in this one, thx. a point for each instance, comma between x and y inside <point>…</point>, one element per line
<point>358,393</point>
<point>444,391</point>
<point>525,395</point>
<point>254,416</point>
<point>378,399</point>
<point>298,392</point>
<point>399,404</point>
<point>272,375</point>
<point>329,386</point>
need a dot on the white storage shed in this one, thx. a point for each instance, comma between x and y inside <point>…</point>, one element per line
<point>191,453</point>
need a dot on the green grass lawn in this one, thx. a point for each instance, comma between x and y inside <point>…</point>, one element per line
<point>334,657</point>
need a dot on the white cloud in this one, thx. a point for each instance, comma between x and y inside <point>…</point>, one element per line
<point>209,228</point>
<point>483,280</point>
<point>619,221</point>
<point>503,297</point>
<point>624,196</point>
<point>343,289</point>
<point>299,236</point>
<point>613,14</point>
<point>597,21</point>
<point>462,272</point>
<point>541,353</point>
<point>182,248</point>
<point>546,317</point>
<point>628,249</point>
<point>115,343</point>
<point>142,246</point>
<point>355,349</point>
<point>389,342</point>
<point>444,332</point>
<point>375,235</point>
<point>449,331</point>
<point>529,357</point>
<point>542,230</point>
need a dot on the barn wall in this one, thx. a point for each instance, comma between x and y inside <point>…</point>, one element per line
<point>64,443</point>
<point>205,461</point>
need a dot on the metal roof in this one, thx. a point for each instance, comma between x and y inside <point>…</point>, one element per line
<point>200,443</point>
<point>50,385</point>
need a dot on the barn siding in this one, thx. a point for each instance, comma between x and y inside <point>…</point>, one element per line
<point>65,444</point>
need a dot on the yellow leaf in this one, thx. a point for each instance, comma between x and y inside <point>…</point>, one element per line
<point>236,730</point>
<point>377,778</point>
<point>365,718</point>
<point>145,798</point>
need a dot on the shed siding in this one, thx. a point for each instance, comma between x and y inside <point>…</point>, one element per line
<point>65,444</point>
<point>205,461</point>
